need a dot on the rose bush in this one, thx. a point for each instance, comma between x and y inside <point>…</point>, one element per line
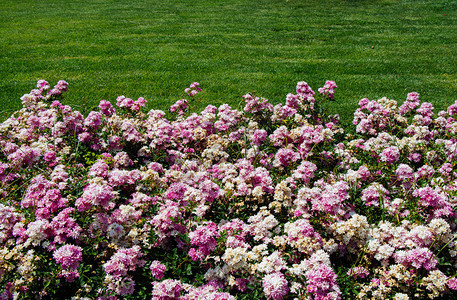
<point>269,202</point>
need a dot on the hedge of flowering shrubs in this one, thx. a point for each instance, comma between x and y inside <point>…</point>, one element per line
<point>271,202</point>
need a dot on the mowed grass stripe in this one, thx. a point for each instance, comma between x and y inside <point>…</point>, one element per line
<point>155,49</point>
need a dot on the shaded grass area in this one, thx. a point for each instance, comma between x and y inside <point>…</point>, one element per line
<point>155,49</point>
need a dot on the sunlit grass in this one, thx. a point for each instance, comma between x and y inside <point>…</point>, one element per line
<point>155,49</point>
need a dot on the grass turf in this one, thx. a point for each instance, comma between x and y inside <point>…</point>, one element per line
<point>155,49</point>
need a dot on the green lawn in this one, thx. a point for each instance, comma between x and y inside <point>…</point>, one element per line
<point>155,49</point>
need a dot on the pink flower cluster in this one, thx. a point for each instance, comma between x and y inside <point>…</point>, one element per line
<point>193,89</point>
<point>328,89</point>
<point>123,261</point>
<point>69,257</point>
<point>180,106</point>
<point>203,237</point>
<point>273,202</point>
<point>157,269</point>
<point>256,104</point>
<point>126,103</point>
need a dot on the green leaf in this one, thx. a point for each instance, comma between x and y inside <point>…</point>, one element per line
<point>189,269</point>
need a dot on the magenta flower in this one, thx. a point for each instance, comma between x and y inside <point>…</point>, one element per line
<point>417,258</point>
<point>322,283</point>
<point>124,102</point>
<point>390,154</point>
<point>305,171</point>
<point>69,257</point>
<point>106,108</point>
<point>166,290</point>
<point>157,269</point>
<point>123,261</point>
<point>373,194</point>
<point>285,157</point>
<point>259,136</point>
<point>256,104</point>
<point>205,238</point>
<point>452,283</point>
<point>43,84</point>
<point>328,89</point>
<point>303,88</point>
<point>95,194</point>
